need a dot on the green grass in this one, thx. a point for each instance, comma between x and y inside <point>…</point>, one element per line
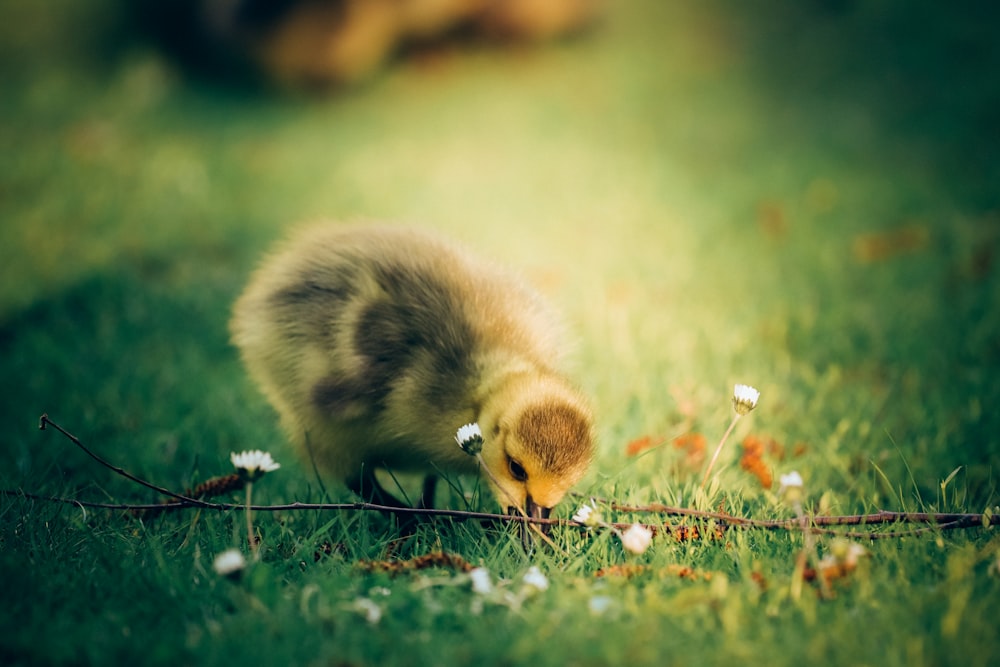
<point>690,186</point>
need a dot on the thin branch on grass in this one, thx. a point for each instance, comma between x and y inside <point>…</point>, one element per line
<point>44,422</point>
<point>461,515</point>
<point>724,521</point>
<point>951,519</point>
<point>319,507</point>
<point>936,521</point>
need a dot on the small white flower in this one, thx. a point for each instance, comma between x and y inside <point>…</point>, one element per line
<point>792,480</point>
<point>481,582</point>
<point>600,604</point>
<point>791,488</point>
<point>229,563</point>
<point>745,398</point>
<point>254,463</point>
<point>534,578</point>
<point>470,439</point>
<point>371,611</point>
<point>637,538</point>
<point>583,514</point>
<point>588,516</point>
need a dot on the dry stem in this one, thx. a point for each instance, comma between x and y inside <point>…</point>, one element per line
<point>820,524</point>
<point>718,449</point>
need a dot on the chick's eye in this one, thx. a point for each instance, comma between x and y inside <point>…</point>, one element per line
<point>517,471</point>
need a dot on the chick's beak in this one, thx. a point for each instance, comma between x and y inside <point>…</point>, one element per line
<point>536,511</point>
<point>533,511</point>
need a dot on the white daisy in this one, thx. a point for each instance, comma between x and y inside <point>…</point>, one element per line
<point>792,480</point>
<point>229,563</point>
<point>791,488</point>
<point>254,464</point>
<point>481,582</point>
<point>637,538</point>
<point>745,398</point>
<point>470,439</point>
<point>534,578</point>
<point>588,516</point>
<point>600,604</point>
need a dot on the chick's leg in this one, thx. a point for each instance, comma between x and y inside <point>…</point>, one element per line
<point>367,486</point>
<point>427,493</point>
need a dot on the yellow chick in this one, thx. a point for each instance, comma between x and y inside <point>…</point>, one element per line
<point>376,344</point>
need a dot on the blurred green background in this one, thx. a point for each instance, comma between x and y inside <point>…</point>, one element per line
<point>801,196</point>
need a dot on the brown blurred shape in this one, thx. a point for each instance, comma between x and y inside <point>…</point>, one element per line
<point>324,43</point>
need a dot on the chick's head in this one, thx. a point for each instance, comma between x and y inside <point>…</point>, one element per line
<point>536,450</point>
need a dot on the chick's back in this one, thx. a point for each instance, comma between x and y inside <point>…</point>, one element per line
<point>375,344</point>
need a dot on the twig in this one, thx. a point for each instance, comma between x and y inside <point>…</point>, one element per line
<point>461,515</point>
<point>44,422</point>
<point>857,535</point>
<point>880,517</point>
<point>936,520</point>
<point>483,517</point>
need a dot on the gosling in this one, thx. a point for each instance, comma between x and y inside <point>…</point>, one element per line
<point>376,344</point>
